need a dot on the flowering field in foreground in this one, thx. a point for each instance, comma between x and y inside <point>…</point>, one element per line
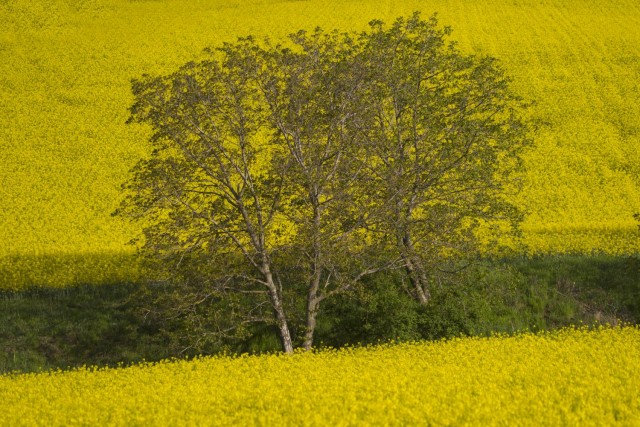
<point>569,377</point>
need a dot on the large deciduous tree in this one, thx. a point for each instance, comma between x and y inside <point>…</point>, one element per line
<point>214,180</point>
<point>336,155</point>
<point>443,143</point>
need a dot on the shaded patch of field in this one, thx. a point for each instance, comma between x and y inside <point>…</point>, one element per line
<point>59,270</point>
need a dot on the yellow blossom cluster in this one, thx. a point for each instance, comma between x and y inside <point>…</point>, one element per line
<point>568,377</point>
<point>65,89</point>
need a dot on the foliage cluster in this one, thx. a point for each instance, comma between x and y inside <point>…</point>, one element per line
<point>568,377</point>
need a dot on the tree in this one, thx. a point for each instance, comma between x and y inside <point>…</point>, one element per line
<point>312,94</point>
<point>250,156</point>
<point>287,173</point>
<point>444,143</point>
<point>213,182</point>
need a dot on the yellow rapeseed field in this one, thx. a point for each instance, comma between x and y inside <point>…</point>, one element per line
<point>65,74</point>
<point>568,377</point>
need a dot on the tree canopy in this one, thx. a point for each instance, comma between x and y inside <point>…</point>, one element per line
<point>283,174</point>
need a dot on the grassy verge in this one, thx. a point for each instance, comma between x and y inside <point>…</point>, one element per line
<point>59,328</point>
<point>47,328</point>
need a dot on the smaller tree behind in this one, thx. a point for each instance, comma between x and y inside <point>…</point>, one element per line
<point>443,147</point>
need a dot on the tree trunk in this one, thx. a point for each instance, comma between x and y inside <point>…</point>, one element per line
<point>313,303</point>
<point>418,280</point>
<point>278,310</point>
<point>415,270</point>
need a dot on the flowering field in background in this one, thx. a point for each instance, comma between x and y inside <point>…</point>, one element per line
<point>567,377</point>
<point>65,90</point>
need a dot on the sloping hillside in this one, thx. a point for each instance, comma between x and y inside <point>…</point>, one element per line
<point>64,94</point>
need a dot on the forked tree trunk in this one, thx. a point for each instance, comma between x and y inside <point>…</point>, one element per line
<point>418,280</point>
<point>313,300</point>
<point>313,304</point>
<point>278,310</point>
<point>415,270</point>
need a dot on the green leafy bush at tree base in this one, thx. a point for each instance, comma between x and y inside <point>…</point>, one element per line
<point>107,325</point>
<point>492,297</point>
